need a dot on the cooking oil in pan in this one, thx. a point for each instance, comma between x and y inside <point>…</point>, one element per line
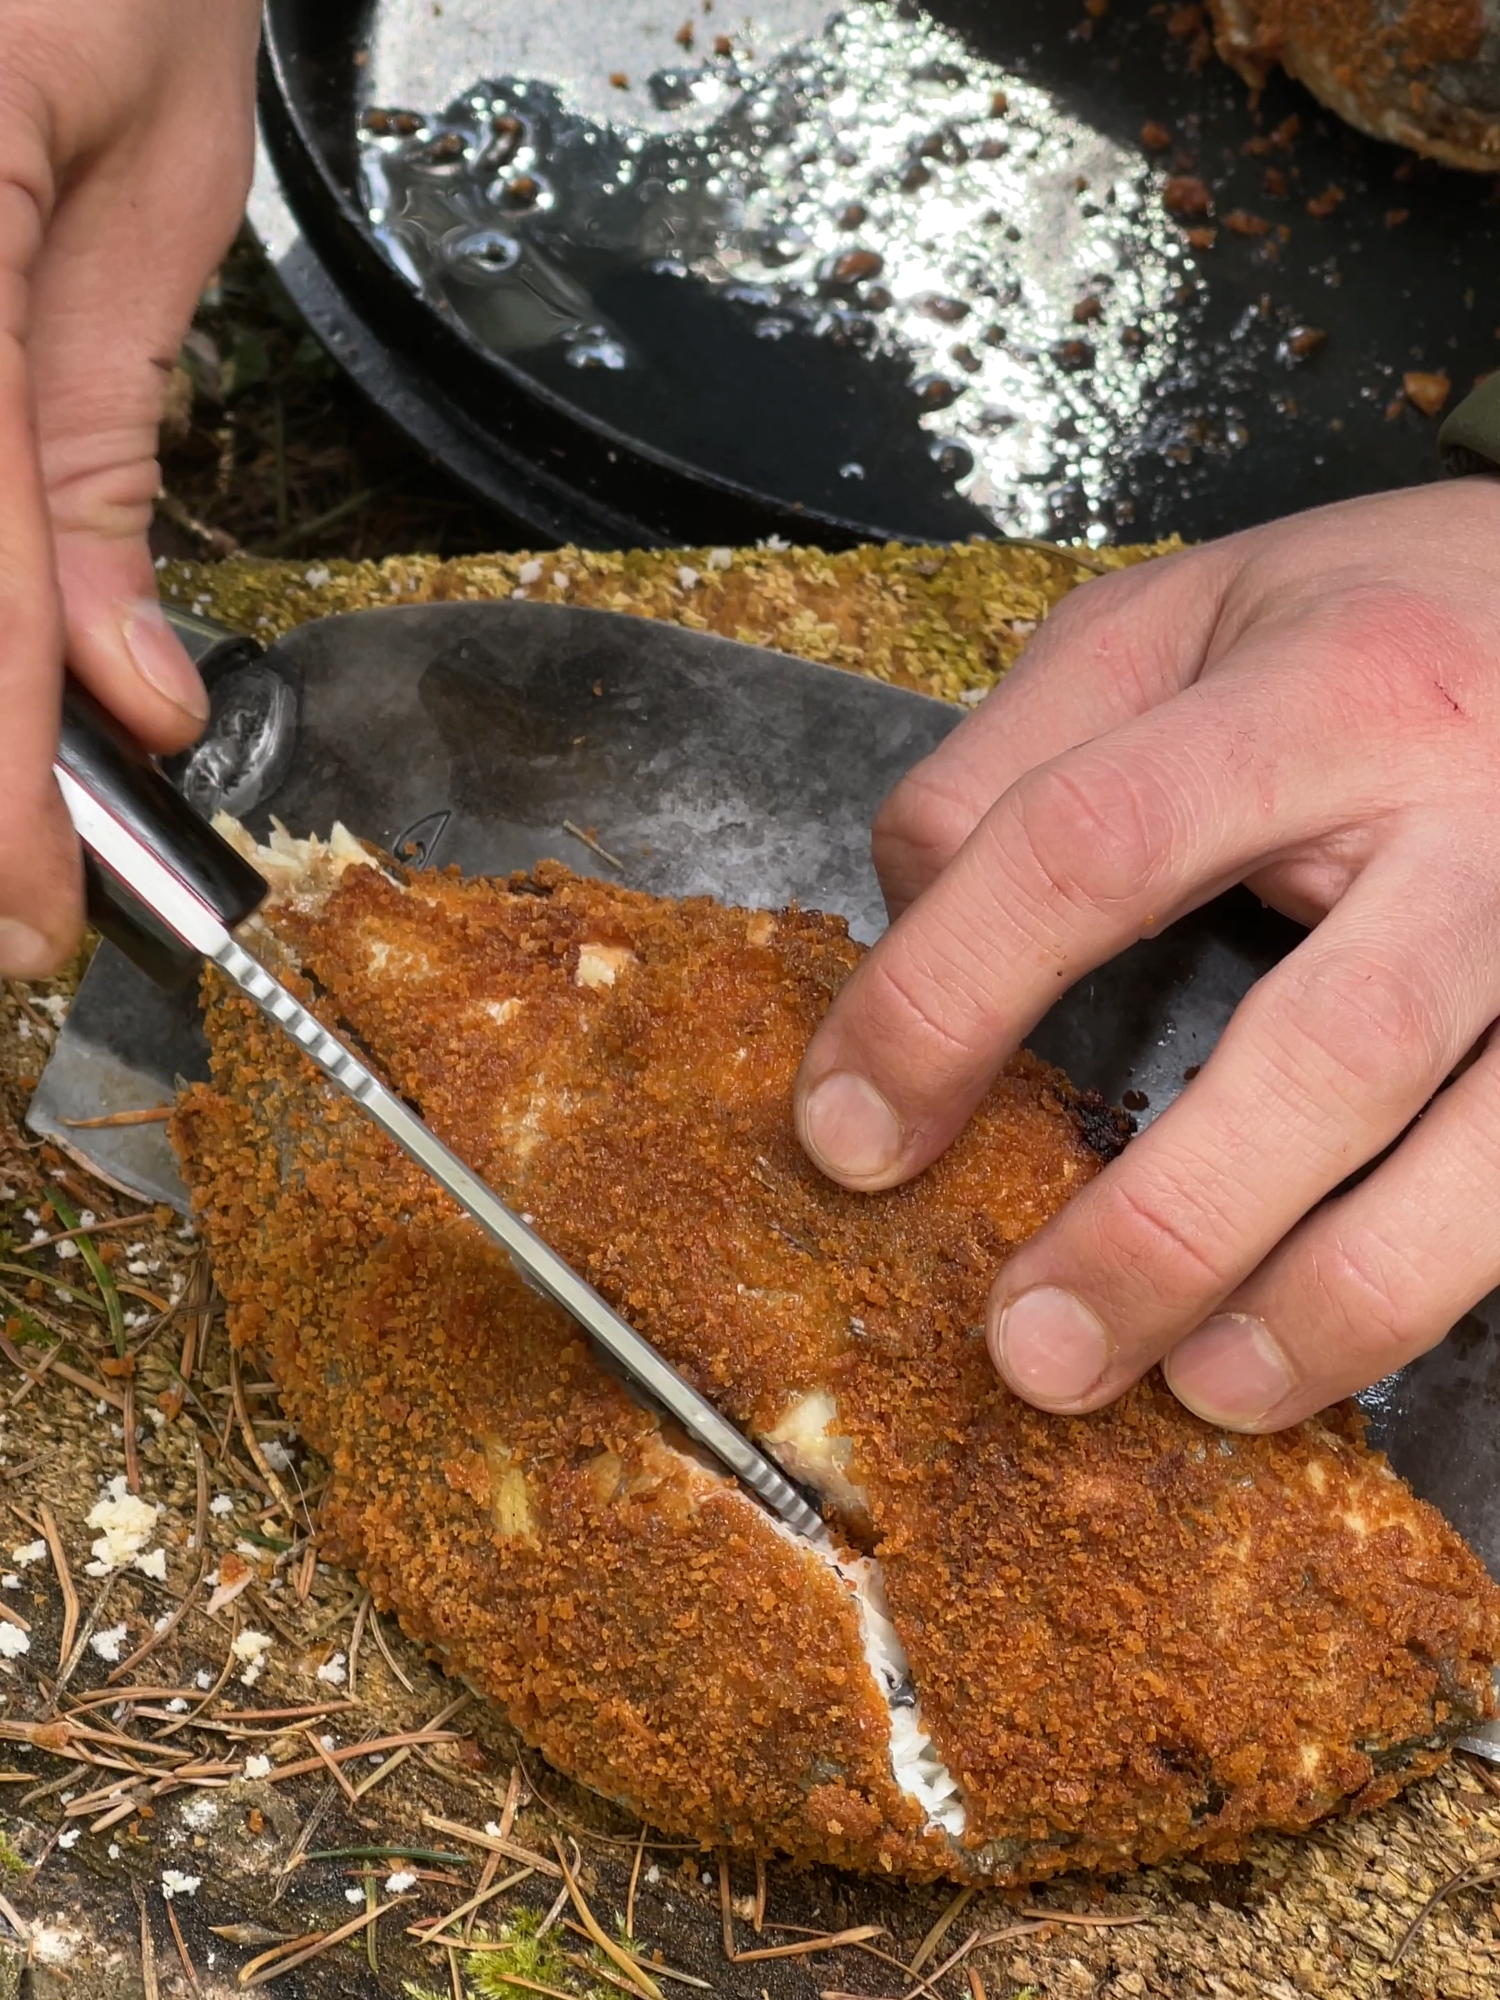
<point>864,179</point>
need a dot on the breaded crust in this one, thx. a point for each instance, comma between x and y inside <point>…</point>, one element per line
<point>1419,73</point>
<point>1131,1636</point>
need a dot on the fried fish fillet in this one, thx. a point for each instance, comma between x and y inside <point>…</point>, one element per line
<point>1420,73</point>
<point>1046,1642</point>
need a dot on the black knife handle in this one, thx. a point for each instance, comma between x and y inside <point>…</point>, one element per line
<point>108,763</point>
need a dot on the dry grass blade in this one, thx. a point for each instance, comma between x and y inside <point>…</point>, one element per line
<point>507,1821</point>
<point>485,1893</point>
<point>309,1711</point>
<point>154,1114</point>
<point>14,1618</point>
<point>148,1948</point>
<point>127,1428</point>
<point>315,1744</point>
<point>160,1632</point>
<point>183,1721</point>
<point>726,1906</point>
<point>976,1984</point>
<point>260,1971</point>
<point>635,1876</point>
<point>182,1950</point>
<point>356,1635</point>
<point>973,1942</point>
<point>90,1384</point>
<point>588,840</point>
<point>758,1921</point>
<point>385,1651</point>
<point>252,1443</point>
<point>405,1748</point>
<point>941,1928</point>
<point>494,1844</point>
<point>513,1802</point>
<point>87,1229</point>
<point>638,1977</point>
<point>1477,1875</point>
<point>514,1978</point>
<point>559,1904</point>
<point>86,1631</point>
<point>32,1376</point>
<point>805,1947</point>
<point>1084,1920</point>
<point>657,1971</point>
<point>8,1911</point>
<point>376,1746</point>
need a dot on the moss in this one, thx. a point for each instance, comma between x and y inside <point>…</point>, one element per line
<point>12,1860</point>
<point>535,1958</point>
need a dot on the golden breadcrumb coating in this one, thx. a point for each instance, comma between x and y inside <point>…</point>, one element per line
<point>1419,73</point>
<point>1131,1636</point>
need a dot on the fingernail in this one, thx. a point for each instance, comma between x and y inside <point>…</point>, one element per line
<point>1230,1371</point>
<point>1050,1347</point>
<point>24,953</point>
<point>160,660</point>
<point>851,1131</point>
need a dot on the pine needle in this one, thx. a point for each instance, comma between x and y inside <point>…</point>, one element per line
<point>252,1443</point>
<point>639,1978</point>
<point>486,1893</point>
<point>635,1876</point>
<point>261,1971</point>
<point>148,1948</point>
<point>385,1651</point>
<point>494,1844</point>
<point>156,1114</point>
<point>182,1950</point>
<point>941,1928</point>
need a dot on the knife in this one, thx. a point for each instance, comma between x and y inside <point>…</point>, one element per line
<point>169,891</point>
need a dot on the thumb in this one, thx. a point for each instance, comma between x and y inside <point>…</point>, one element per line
<point>106,324</point>
<point>119,643</point>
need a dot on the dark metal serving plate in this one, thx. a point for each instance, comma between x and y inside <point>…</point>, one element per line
<point>715,433</point>
<point>470,733</point>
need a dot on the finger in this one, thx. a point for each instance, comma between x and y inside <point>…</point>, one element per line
<point>40,909</point>
<point>1110,650</point>
<point>110,307</point>
<point>1370,1281</point>
<point>1076,861</point>
<point>1322,1066</point>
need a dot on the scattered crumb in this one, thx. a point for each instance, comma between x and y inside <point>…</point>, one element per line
<point>107,1644</point>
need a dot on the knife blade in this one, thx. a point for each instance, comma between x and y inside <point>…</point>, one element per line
<point>168,884</point>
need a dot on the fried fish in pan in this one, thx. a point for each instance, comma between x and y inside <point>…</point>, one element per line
<point>1047,1642</point>
<point>1419,73</point>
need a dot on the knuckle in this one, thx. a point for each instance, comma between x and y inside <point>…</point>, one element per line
<point>1366,1029</point>
<point>920,1010</point>
<point>1091,834</point>
<point>1155,1233</point>
<point>1376,1288</point>
<point>919,828</point>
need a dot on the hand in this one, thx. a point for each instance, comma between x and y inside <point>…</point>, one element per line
<point>1312,708</point>
<point>126,140</point>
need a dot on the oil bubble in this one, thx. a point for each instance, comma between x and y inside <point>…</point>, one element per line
<point>480,256</point>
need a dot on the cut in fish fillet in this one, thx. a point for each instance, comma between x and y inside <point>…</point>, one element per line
<point>1045,1643</point>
